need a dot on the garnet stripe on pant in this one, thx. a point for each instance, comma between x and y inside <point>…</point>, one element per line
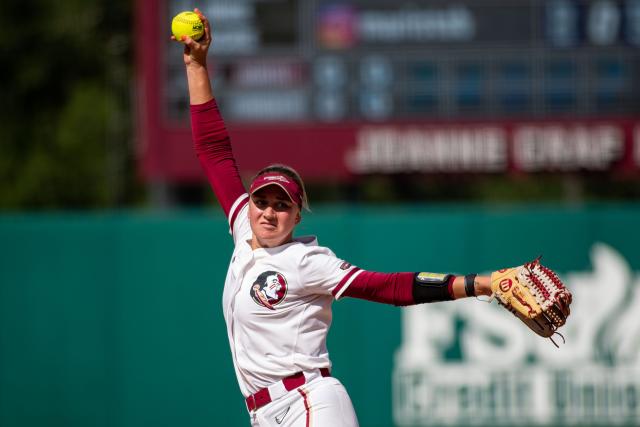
<point>306,406</point>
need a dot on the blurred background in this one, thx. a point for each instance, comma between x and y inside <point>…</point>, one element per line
<point>448,136</point>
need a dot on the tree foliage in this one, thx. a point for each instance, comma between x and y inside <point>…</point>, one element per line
<point>63,91</point>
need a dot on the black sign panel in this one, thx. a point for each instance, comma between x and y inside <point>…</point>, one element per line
<point>284,61</point>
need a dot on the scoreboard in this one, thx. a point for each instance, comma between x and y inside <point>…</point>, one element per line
<point>338,89</point>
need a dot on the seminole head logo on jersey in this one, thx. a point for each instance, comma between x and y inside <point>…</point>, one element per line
<point>269,289</point>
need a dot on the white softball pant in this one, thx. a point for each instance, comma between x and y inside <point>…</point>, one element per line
<point>323,402</point>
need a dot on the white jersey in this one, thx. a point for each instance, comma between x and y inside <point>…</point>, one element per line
<point>277,304</point>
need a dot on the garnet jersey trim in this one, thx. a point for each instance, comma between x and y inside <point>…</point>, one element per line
<point>346,281</point>
<point>235,210</point>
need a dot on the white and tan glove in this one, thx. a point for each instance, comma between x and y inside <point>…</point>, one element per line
<point>535,294</point>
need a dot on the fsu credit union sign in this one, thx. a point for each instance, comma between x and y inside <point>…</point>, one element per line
<point>475,364</point>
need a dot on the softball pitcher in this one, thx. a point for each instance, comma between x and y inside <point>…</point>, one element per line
<point>279,288</point>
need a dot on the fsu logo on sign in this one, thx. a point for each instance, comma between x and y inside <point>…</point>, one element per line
<point>269,289</point>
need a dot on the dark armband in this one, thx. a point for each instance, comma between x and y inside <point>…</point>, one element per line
<point>470,284</point>
<point>431,287</point>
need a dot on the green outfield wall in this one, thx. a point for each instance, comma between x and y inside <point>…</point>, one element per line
<point>115,319</point>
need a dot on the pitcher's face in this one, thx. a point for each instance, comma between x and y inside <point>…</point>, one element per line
<point>272,216</point>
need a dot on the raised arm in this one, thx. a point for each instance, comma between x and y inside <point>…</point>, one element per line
<point>210,137</point>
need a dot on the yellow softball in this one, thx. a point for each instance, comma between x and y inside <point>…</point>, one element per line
<point>187,24</point>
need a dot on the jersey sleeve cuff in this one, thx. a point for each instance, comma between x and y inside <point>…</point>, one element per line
<point>345,282</point>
